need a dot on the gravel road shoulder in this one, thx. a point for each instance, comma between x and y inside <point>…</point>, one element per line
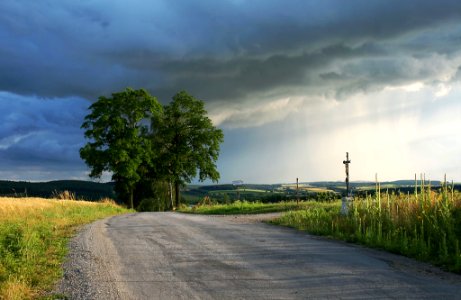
<point>90,266</point>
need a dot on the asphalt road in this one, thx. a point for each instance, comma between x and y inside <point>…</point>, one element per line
<point>179,256</point>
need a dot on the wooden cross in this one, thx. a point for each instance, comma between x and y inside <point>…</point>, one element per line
<point>347,162</point>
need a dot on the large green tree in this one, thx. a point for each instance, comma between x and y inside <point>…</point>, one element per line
<point>117,128</point>
<point>187,142</point>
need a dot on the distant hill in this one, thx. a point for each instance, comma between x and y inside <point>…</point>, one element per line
<point>307,190</point>
<point>87,190</point>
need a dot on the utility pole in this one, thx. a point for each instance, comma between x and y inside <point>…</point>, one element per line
<point>347,198</point>
<point>237,184</point>
<point>297,194</point>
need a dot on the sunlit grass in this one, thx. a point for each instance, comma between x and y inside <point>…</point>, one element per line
<point>423,225</point>
<point>245,207</point>
<point>33,240</point>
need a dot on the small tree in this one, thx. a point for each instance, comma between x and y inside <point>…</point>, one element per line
<point>118,134</point>
<point>187,142</point>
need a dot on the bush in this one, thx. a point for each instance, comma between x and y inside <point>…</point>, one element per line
<point>152,204</point>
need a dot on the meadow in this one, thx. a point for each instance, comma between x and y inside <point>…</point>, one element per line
<point>34,233</point>
<point>245,207</point>
<point>425,224</point>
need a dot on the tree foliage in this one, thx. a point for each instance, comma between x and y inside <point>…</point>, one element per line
<point>188,143</point>
<point>118,132</point>
<point>145,145</point>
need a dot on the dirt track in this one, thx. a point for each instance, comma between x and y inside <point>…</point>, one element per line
<point>178,256</point>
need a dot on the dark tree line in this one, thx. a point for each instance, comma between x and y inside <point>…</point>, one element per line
<point>150,148</point>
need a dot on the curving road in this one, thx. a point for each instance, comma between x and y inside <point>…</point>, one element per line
<point>179,256</point>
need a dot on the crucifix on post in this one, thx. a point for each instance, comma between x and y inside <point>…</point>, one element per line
<point>347,198</point>
<point>347,162</point>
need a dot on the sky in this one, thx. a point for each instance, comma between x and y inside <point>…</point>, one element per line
<point>294,84</point>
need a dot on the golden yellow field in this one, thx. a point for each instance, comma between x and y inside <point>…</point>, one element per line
<point>33,240</point>
<point>303,187</point>
<point>15,207</point>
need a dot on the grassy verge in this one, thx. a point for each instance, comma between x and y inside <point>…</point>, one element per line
<point>425,226</point>
<point>33,240</point>
<point>244,207</point>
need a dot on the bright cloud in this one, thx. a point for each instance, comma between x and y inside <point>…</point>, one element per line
<point>258,115</point>
<point>392,133</point>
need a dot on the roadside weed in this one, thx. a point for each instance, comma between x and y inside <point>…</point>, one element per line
<point>425,225</point>
<point>33,240</point>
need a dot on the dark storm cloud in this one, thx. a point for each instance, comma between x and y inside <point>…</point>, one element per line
<point>219,50</point>
<point>240,77</point>
<point>37,132</point>
<point>291,49</point>
<point>246,59</point>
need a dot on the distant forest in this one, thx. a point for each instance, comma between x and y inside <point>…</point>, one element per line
<point>86,190</point>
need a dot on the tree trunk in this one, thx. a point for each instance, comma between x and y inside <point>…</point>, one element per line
<point>131,198</point>
<point>171,194</point>
<point>176,187</point>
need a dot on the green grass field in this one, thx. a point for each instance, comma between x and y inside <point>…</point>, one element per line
<point>237,191</point>
<point>425,226</point>
<point>33,241</point>
<point>317,190</point>
<point>244,207</point>
<point>372,188</point>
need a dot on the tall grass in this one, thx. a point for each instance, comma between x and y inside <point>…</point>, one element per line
<point>33,240</point>
<point>425,225</point>
<point>245,207</point>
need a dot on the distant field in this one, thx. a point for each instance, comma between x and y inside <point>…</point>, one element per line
<point>244,207</point>
<point>317,190</point>
<point>306,187</point>
<point>33,240</point>
<point>238,191</point>
<point>373,187</point>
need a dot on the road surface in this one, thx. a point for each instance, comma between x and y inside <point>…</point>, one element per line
<point>180,256</point>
